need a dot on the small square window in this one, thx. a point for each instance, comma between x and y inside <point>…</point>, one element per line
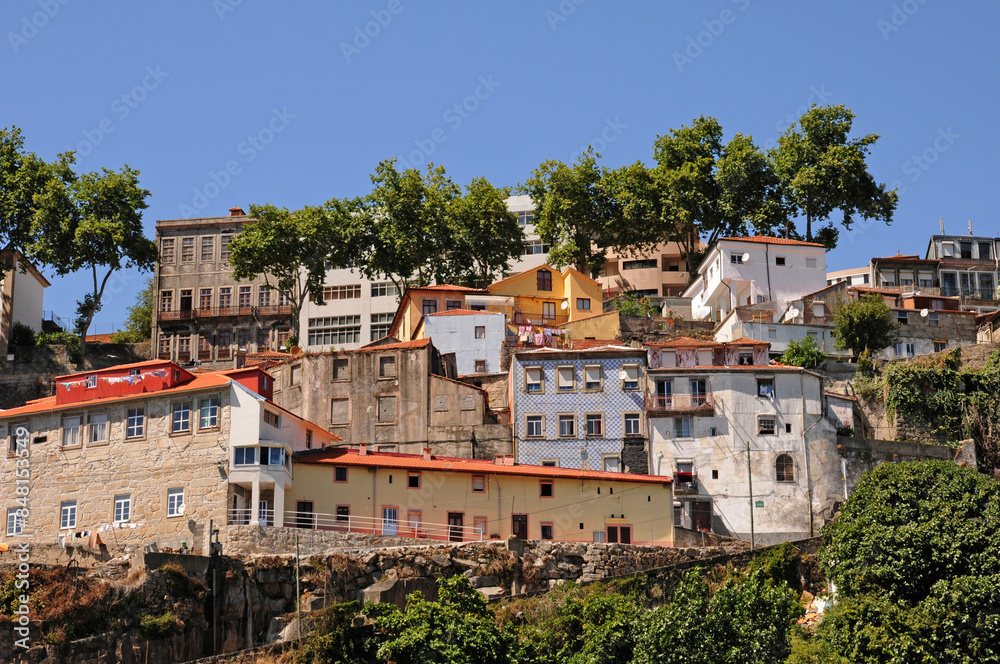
<point>595,424</point>
<point>478,483</point>
<point>91,382</point>
<point>583,303</point>
<point>766,425</point>
<point>934,319</point>
<point>341,369</point>
<point>480,366</point>
<point>480,331</point>
<point>413,480</point>
<point>387,366</point>
<point>810,262</point>
<point>340,474</point>
<point>546,533</point>
<point>546,489</point>
<point>272,418</point>
<point>940,346</point>
<point>903,317</point>
<point>788,427</point>
<point>612,464</point>
<point>567,426</point>
<point>765,387</point>
<point>779,260</point>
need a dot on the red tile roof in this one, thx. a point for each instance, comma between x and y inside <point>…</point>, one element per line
<point>117,368</point>
<point>745,341</point>
<point>766,239</point>
<point>449,287</point>
<point>399,345</point>
<point>464,312</point>
<point>685,342</point>
<point>351,457</point>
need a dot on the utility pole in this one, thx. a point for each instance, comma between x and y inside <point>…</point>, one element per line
<point>298,590</point>
<point>750,484</point>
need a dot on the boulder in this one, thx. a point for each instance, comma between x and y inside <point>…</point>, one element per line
<point>394,591</point>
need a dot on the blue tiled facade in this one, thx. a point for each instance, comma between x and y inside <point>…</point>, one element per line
<point>611,401</point>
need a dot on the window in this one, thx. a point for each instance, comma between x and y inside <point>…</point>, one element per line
<point>622,534</point>
<point>67,514</point>
<point>413,480</point>
<point>567,426</point>
<point>334,330</point>
<point>478,484</point>
<point>551,463</point>
<point>340,411</point>
<point>772,333</point>
<point>479,525</point>
<point>784,469</point>
<point>611,464</point>
<point>630,381</point>
<point>736,259</point>
<point>381,324</point>
<point>595,424</point>
<point>632,424</point>
<point>546,489</point>
<point>903,317</point>
<point>123,508</point>
<point>309,439</point>
<point>166,301</point>
<point>224,247</point>
<point>480,331</point>
<point>167,250</point>
<point>244,297</point>
<point>225,343</point>
<point>387,366</point>
<point>135,422</point>
<point>640,264</point>
<point>682,427</point>
<point>187,250</point>
<point>205,299</point>
<point>779,260</point>
<point>184,347</point>
<point>593,376</point>
<point>428,307</point>
<point>480,366</point>
<point>347,292</point>
<point>343,512</point>
<point>207,249</point>
<point>911,350</point>
<point>810,262</point>
<point>533,247</point>
<point>384,289</point>
<point>175,502</point>
<point>819,309</point>
<point>245,456</point>
<point>766,425</point>
<point>272,456</point>
<point>746,357</point>
<point>966,249</point>
<point>209,413</point>
<point>543,280</point>
<point>533,379</point>
<point>940,346</point>
<point>451,305</point>
<point>984,251</point>
<point>15,521</point>
<point>340,474</point>
<point>565,379</point>
<point>548,310</point>
<point>583,303</point>
<point>533,426</point>
<point>181,420</point>
<point>546,531</point>
<point>387,409</point>
<point>341,369</point>
<point>71,431</point>
<point>525,218</point>
<point>264,296</point>
<point>897,350</point>
<point>98,427</point>
<point>226,297</point>
<point>765,387</point>
<point>272,418</point>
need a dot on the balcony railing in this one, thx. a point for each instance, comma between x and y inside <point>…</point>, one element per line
<point>680,403</point>
<point>275,310</point>
<point>183,314</point>
<point>685,484</point>
<point>362,524</point>
<point>522,318</point>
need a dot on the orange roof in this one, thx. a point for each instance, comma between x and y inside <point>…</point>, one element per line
<point>200,382</point>
<point>99,338</point>
<point>582,344</point>
<point>766,239</point>
<point>464,312</point>
<point>350,457</point>
<point>448,287</point>
<point>399,345</point>
<point>745,341</point>
<point>686,342</point>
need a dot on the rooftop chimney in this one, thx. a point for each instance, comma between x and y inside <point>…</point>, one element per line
<point>362,449</point>
<point>237,212</point>
<point>427,454</point>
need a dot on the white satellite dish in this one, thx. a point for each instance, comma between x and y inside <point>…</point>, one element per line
<point>180,510</point>
<point>793,313</point>
<point>746,257</point>
<point>923,312</point>
<point>564,305</point>
<point>623,375</point>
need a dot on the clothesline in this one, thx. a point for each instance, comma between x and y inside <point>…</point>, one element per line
<point>113,380</point>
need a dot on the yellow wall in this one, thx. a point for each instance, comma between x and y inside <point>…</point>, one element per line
<point>568,285</point>
<point>647,508</point>
<point>601,326</point>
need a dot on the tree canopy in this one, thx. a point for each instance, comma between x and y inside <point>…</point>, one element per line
<point>139,323</point>
<point>805,354</point>
<point>864,326</point>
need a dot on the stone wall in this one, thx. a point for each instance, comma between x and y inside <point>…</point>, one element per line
<point>861,455</point>
<point>635,455</point>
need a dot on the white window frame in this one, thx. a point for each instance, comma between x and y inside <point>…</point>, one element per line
<point>761,419</point>
<point>561,383</point>
<point>627,384</point>
<point>71,434</point>
<point>67,515</point>
<point>175,501</point>
<point>98,427</point>
<point>599,419</point>
<point>212,405</point>
<point>588,385</point>
<point>135,424</point>
<point>532,422</point>
<point>180,417</point>
<point>570,419</point>
<point>122,508</point>
<point>15,521</point>
<point>529,382</point>
<point>632,418</point>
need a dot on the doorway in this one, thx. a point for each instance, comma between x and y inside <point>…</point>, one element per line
<point>519,526</point>
<point>456,520</point>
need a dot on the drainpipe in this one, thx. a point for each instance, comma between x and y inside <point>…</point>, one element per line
<point>767,266</point>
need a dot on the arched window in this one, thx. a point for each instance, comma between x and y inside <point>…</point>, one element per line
<point>784,468</point>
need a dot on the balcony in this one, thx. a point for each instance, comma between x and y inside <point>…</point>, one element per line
<point>685,484</point>
<point>681,404</point>
<point>522,318</point>
<point>183,314</point>
<point>347,523</point>
<point>275,311</point>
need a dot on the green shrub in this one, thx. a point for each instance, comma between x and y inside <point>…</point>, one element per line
<point>178,581</point>
<point>67,339</point>
<point>21,336</point>
<point>805,354</point>
<point>779,563</point>
<point>156,627</point>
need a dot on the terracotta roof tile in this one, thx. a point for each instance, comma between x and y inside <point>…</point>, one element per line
<point>399,345</point>
<point>686,342</point>
<point>766,239</point>
<point>464,312</point>
<point>449,287</point>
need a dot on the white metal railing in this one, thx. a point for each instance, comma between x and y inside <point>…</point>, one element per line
<point>347,523</point>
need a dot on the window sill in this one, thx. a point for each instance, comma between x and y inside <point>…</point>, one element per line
<point>63,448</point>
<point>98,443</point>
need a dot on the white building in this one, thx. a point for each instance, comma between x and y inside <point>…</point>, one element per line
<point>743,439</point>
<point>855,276</point>
<point>473,337</point>
<point>750,270</point>
<point>21,294</point>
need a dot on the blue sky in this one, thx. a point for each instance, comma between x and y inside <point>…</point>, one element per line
<point>232,102</point>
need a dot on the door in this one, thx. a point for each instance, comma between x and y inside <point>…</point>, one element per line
<point>455,522</point>
<point>266,518</point>
<point>701,516</point>
<point>664,394</point>
<point>949,286</point>
<point>187,300</point>
<point>699,393</point>
<point>519,526</point>
<point>304,514</point>
<point>390,520</point>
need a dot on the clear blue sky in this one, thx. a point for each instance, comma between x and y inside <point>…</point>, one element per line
<point>184,85</point>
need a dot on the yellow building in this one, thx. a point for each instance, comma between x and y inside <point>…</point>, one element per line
<point>544,296</point>
<point>470,499</point>
<point>419,301</point>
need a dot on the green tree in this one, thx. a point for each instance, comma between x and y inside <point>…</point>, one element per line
<point>486,235</point>
<point>821,170</point>
<point>805,354</point>
<point>292,250</point>
<point>864,326</point>
<point>631,304</point>
<point>92,222</point>
<point>139,324</point>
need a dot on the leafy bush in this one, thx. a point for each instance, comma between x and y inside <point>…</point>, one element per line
<point>334,639</point>
<point>865,325</point>
<point>156,627</point>
<point>633,305</point>
<point>178,581</point>
<point>778,563</point>
<point>67,339</point>
<point>803,353</point>
<point>21,336</point>
<point>128,337</point>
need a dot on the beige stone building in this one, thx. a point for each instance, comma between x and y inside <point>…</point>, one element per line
<point>148,453</point>
<point>202,313</point>
<point>661,272</point>
<point>394,396</point>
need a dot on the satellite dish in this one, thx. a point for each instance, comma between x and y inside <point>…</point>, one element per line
<point>623,375</point>
<point>793,313</point>
<point>746,257</point>
<point>923,312</point>
<point>295,351</point>
<point>564,305</point>
<point>584,455</point>
<point>180,510</point>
